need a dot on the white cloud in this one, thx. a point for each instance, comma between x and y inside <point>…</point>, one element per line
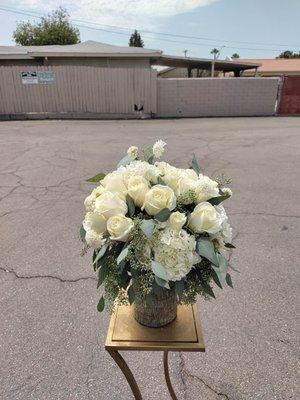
<point>127,13</point>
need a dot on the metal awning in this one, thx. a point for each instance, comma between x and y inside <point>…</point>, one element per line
<point>204,63</point>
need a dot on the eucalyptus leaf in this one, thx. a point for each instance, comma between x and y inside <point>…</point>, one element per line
<point>151,158</point>
<point>179,287</point>
<point>96,178</point>
<point>124,279</point>
<point>102,274</point>
<point>101,253</point>
<point>195,165</point>
<point>205,248</point>
<point>160,181</point>
<point>125,161</point>
<point>131,294</point>
<point>159,270</point>
<point>147,226</point>
<point>82,233</point>
<point>131,206</point>
<point>216,278</point>
<point>162,282</point>
<point>229,281</point>
<point>229,246</point>
<point>217,200</point>
<point>233,268</point>
<point>208,289</point>
<point>101,304</point>
<point>163,215</point>
<point>122,255</point>
<point>221,269</point>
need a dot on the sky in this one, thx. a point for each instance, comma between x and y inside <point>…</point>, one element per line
<point>251,28</point>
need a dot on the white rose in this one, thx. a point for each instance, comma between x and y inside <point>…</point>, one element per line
<point>137,188</point>
<point>114,183</point>
<point>95,222</point>
<point>206,218</point>
<point>94,225</point>
<point>206,189</point>
<point>177,220</point>
<point>158,198</point>
<point>119,227</point>
<point>133,152</point>
<point>109,205</point>
<point>158,148</point>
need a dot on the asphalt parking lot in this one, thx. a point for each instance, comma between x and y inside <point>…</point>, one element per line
<point>51,335</point>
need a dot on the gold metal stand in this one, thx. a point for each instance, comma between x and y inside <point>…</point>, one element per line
<point>124,333</point>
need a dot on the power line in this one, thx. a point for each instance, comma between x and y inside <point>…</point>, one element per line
<point>87,23</point>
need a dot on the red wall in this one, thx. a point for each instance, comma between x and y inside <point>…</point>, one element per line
<point>290,96</point>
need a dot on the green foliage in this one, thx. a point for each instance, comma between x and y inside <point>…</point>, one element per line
<point>96,178</point>
<point>195,165</point>
<point>136,40</point>
<point>130,205</point>
<point>205,248</point>
<point>147,226</point>
<point>161,282</point>
<point>163,215</point>
<point>101,304</point>
<point>159,270</point>
<point>82,233</point>
<point>53,29</point>
<point>125,161</point>
<point>100,253</point>
<point>235,55</point>
<point>289,54</point>
<point>217,200</point>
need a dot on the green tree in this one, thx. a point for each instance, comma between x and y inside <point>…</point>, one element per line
<point>235,55</point>
<point>53,29</point>
<point>136,40</point>
<point>289,54</point>
<point>215,52</point>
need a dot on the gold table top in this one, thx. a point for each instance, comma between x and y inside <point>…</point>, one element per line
<point>183,334</point>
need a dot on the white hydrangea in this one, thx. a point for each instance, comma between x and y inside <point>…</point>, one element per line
<point>93,239</point>
<point>140,168</point>
<point>158,148</point>
<point>176,252</point>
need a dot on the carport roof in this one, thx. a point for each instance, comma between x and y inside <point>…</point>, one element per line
<point>204,63</point>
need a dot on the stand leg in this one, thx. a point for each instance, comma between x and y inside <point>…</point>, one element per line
<point>167,376</point>
<point>126,371</point>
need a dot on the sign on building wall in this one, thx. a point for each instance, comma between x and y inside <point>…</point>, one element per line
<point>34,77</point>
<point>46,77</point>
<point>29,77</point>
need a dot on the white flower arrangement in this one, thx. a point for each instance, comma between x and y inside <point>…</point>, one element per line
<point>159,225</point>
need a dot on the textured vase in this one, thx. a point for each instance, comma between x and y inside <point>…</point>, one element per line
<point>161,311</point>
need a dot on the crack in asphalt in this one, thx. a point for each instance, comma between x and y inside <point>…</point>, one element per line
<point>184,374</point>
<point>54,277</point>
<point>88,368</point>
<point>263,213</point>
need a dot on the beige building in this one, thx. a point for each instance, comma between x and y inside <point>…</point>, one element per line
<point>274,67</point>
<point>88,53</point>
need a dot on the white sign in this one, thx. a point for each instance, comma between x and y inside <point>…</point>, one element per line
<point>46,76</point>
<point>33,77</point>
<point>29,78</point>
